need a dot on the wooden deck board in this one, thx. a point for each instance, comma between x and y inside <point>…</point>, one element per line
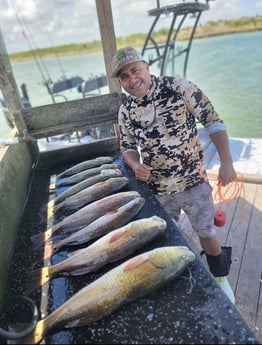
<point>243,233</point>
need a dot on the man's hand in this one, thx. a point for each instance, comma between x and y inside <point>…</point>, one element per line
<point>142,171</point>
<point>226,174</point>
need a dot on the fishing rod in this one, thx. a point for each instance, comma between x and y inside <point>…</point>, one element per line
<point>51,43</point>
<point>42,69</point>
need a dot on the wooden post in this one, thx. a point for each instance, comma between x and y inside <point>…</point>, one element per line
<point>9,89</point>
<point>106,26</point>
<point>107,32</point>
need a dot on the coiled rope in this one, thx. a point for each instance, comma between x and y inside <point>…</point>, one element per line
<point>225,194</point>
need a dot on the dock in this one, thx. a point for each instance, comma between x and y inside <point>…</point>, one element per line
<point>242,231</point>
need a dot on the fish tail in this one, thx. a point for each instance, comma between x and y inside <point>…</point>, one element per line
<point>39,239</point>
<point>58,206</point>
<point>38,278</point>
<point>38,258</point>
<point>46,252</point>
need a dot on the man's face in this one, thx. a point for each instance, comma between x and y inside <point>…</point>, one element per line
<point>135,78</point>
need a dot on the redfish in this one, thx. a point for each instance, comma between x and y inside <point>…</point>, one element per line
<point>102,225</point>
<point>127,282</point>
<point>85,215</point>
<point>111,247</point>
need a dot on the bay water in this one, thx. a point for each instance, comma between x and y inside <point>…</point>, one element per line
<point>227,68</point>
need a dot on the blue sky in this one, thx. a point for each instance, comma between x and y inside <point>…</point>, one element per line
<point>55,22</point>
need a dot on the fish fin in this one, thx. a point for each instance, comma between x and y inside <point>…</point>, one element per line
<point>39,239</point>
<point>111,212</point>
<point>99,183</point>
<point>135,262</point>
<point>36,260</point>
<point>46,252</point>
<point>38,278</point>
<point>116,235</point>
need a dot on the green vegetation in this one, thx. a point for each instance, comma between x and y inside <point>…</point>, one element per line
<point>211,28</point>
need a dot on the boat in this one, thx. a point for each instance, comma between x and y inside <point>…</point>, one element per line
<point>190,309</point>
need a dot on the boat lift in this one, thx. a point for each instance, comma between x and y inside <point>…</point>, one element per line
<point>165,54</point>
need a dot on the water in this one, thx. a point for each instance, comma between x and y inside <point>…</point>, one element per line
<point>227,68</point>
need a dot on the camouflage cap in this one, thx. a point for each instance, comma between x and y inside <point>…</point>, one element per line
<point>123,57</point>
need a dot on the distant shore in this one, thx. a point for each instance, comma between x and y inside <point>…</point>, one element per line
<point>210,29</point>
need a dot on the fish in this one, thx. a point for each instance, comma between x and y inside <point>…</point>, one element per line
<point>85,174</point>
<point>102,225</point>
<point>88,164</point>
<point>109,248</point>
<point>93,193</point>
<point>102,176</point>
<point>133,279</point>
<point>84,216</point>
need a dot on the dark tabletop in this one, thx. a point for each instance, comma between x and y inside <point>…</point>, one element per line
<point>191,309</point>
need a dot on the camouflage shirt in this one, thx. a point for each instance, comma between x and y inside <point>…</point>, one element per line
<point>162,126</point>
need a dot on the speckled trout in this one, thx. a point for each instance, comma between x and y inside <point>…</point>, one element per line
<point>88,164</point>
<point>85,215</point>
<point>102,176</point>
<point>111,247</point>
<point>84,174</point>
<point>129,281</point>
<point>92,193</point>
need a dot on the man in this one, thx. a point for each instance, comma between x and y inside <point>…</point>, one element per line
<point>160,143</point>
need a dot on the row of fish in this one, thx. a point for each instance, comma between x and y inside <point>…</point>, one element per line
<point>109,248</point>
<point>85,216</point>
<point>106,216</point>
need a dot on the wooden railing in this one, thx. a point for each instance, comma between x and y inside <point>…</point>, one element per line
<point>59,118</point>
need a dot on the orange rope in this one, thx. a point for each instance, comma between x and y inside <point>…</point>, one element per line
<point>229,192</point>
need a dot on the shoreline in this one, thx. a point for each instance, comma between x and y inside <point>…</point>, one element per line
<point>210,29</point>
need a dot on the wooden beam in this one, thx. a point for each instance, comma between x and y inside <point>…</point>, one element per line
<point>106,26</point>
<point>58,118</point>
<point>9,89</point>
<point>248,178</point>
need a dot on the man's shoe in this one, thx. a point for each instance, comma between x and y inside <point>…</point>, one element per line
<point>224,284</point>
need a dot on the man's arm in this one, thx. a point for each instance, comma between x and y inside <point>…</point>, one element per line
<point>226,171</point>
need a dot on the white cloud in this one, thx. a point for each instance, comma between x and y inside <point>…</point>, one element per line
<point>49,22</point>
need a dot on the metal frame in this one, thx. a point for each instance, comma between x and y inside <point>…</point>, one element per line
<point>165,53</point>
